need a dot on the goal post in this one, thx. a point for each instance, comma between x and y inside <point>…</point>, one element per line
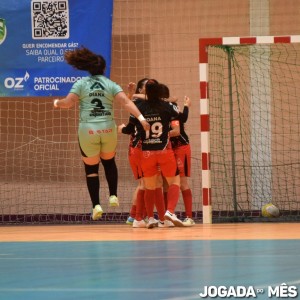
<point>249,115</point>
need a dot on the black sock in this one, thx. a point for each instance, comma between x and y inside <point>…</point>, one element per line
<point>111,174</point>
<point>93,185</point>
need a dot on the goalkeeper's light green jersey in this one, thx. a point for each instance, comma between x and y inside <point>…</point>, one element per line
<point>96,94</point>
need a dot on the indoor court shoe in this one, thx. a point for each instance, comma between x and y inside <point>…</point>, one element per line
<point>97,212</point>
<point>152,223</point>
<point>161,224</point>
<point>113,201</point>
<point>173,218</point>
<point>188,222</point>
<point>169,223</point>
<point>139,224</point>
<point>165,224</point>
<point>129,220</point>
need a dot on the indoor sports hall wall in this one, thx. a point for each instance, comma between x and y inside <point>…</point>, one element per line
<point>166,33</point>
<point>41,171</point>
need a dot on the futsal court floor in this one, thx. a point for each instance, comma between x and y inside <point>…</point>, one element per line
<point>120,262</point>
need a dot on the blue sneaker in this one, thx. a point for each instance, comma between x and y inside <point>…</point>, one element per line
<point>129,220</point>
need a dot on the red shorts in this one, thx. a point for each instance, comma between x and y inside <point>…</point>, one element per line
<point>135,156</point>
<point>165,159</point>
<point>183,158</point>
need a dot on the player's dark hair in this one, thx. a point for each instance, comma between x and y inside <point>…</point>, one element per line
<point>153,93</point>
<point>165,92</point>
<point>141,84</point>
<point>84,59</point>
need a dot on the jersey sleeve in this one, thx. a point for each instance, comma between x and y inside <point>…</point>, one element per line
<point>129,128</point>
<point>184,115</point>
<point>115,88</point>
<point>76,88</point>
<point>173,110</point>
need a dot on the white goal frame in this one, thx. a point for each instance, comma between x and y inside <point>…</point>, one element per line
<point>204,43</point>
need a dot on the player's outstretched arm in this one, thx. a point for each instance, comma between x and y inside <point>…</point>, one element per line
<point>131,108</point>
<point>139,96</point>
<point>185,113</point>
<point>187,101</point>
<point>120,127</point>
<point>131,89</point>
<point>175,128</point>
<point>67,102</point>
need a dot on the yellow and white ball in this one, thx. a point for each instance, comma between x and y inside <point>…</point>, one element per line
<point>270,210</point>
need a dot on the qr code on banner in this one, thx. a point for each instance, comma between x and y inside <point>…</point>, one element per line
<point>50,19</point>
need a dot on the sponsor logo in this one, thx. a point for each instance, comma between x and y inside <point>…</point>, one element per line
<point>3,30</point>
<point>16,83</point>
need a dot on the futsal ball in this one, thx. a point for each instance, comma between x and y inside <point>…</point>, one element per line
<point>269,210</point>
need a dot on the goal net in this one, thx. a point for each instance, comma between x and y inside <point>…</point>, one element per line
<point>42,176</point>
<point>250,116</point>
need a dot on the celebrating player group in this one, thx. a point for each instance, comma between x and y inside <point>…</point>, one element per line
<point>160,158</point>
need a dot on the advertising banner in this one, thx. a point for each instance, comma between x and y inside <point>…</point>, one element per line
<point>34,36</point>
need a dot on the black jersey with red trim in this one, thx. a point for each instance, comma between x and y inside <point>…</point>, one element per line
<point>159,118</point>
<point>130,128</point>
<point>183,138</point>
<point>135,139</point>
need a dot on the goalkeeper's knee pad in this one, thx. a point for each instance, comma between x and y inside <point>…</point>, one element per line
<point>91,169</point>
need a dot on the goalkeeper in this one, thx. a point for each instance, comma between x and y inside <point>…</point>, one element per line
<point>97,131</point>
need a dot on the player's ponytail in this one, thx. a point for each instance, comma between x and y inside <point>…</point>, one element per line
<point>152,91</point>
<point>154,94</point>
<point>84,59</point>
